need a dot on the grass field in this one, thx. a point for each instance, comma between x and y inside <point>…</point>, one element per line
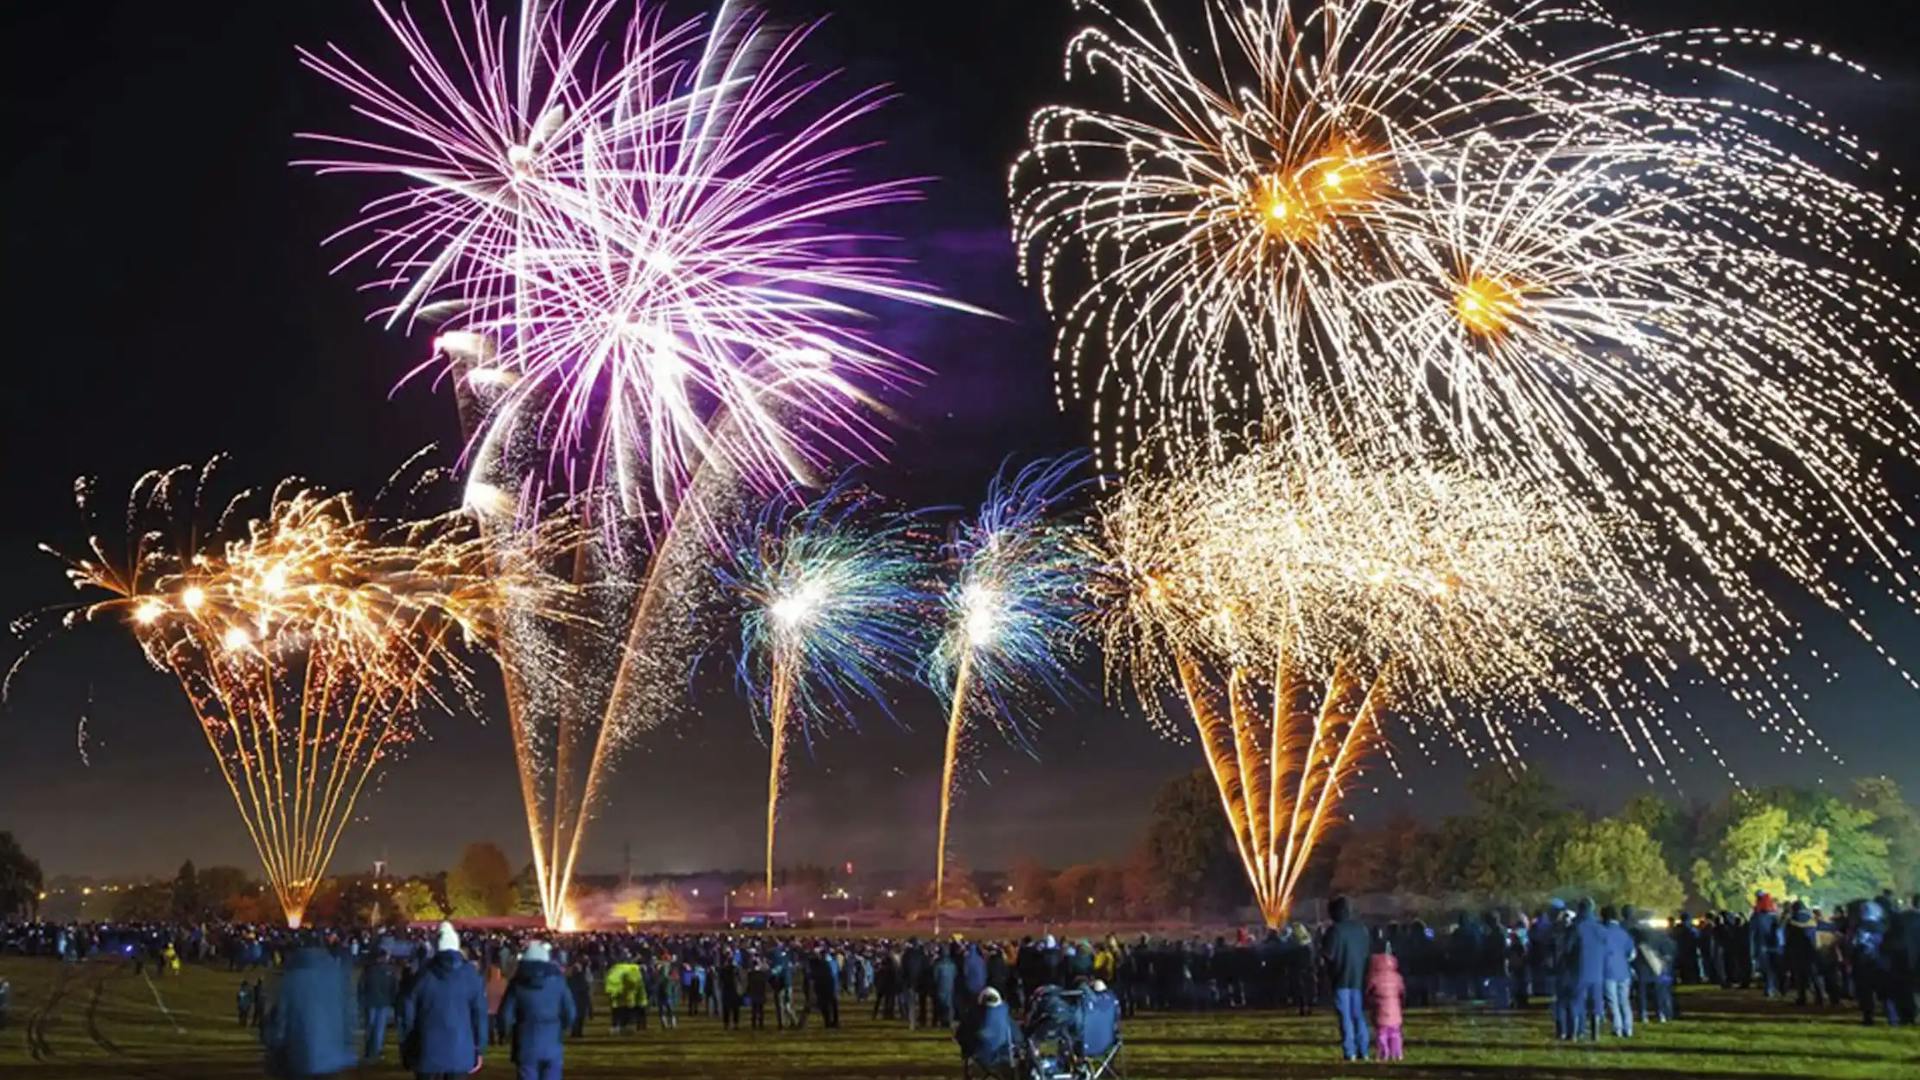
<point>103,1020</point>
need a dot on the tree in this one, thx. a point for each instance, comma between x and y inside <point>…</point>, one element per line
<point>1190,847</point>
<point>1615,861</point>
<point>20,879</point>
<point>187,903</point>
<point>481,885</point>
<point>526,892</point>
<point>1760,847</point>
<point>1857,863</point>
<point>222,887</point>
<point>1371,861</point>
<point>151,902</point>
<point>1897,822</point>
<point>413,901</point>
<point>1511,839</point>
<point>1032,887</point>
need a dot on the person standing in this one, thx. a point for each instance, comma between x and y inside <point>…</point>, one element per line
<point>535,1012</point>
<point>444,1014</point>
<point>379,989</point>
<point>1764,942</point>
<point>946,973</point>
<point>1386,993</point>
<point>623,994</point>
<point>729,978</point>
<point>1589,943</point>
<point>1617,972</point>
<point>496,994</point>
<point>1345,948</point>
<point>759,983</point>
<point>309,1029</point>
<point>581,991</point>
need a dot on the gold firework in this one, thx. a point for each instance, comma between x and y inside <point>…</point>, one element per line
<point>1287,609</point>
<point>307,638</point>
<point>1592,263</point>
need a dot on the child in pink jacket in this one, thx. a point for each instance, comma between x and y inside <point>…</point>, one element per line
<point>1385,992</point>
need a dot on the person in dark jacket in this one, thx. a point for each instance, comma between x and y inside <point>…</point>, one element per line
<point>379,993</point>
<point>581,990</point>
<point>1345,948</point>
<point>445,1014</point>
<point>730,982</point>
<point>537,1011</point>
<point>309,1028</point>
<point>1799,955</point>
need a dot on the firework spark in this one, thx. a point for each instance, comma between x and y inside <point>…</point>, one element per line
<point>1484,230</point>
<point>1011,615</point>
<point>641,231</point>
<point>1288,609</point>
<point>832,606</point>
<point>307,638</point>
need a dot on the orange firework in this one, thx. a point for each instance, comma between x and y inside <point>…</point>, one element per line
<point>307,639</point>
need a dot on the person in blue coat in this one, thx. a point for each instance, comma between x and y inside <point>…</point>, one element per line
<point>1589,959</point>
<point>973,973</point>
<point>537,1013</point>
<point>1617,972</point>
<point>444,1014</point>
<point>309,1028</point>
<point>985,1036</point>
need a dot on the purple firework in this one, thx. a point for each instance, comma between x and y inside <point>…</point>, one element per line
<point>639,263</point>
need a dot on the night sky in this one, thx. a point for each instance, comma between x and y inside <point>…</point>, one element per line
<point>166,299</point>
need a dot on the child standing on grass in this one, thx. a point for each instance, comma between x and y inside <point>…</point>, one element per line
<point>1386,991</point>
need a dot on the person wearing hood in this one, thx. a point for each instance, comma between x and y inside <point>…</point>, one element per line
<point>309,1028</point>
<point>1872,967</point>
<point>537,1011</point>
<point>1345,948</point>
<point>946,974</point>
<point>973,974</point>
<point>444,1013</point>
<point>1590,943</point>
<point>625,993</point>
<point>1386,993</point>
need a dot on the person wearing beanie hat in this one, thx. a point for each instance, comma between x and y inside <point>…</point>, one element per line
<point>537,1012</point>
<point>444,1013</point>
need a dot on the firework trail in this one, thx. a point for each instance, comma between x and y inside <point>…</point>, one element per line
<point>832,604</point>
<point>1288,609</point>
<point>1484,230</point>
<point>635,241</point>
<point>307,637</point>
<point>1011,614</point>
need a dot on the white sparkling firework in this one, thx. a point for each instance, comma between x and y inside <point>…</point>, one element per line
<point>1595,264</point>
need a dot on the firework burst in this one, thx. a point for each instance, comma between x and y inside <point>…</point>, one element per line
<point>626,243</point>
<point>832,602</point>
<point>1011,614</point>
<point>1492,231</point>
<point>307,638</point>
<point>1287,610</point>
